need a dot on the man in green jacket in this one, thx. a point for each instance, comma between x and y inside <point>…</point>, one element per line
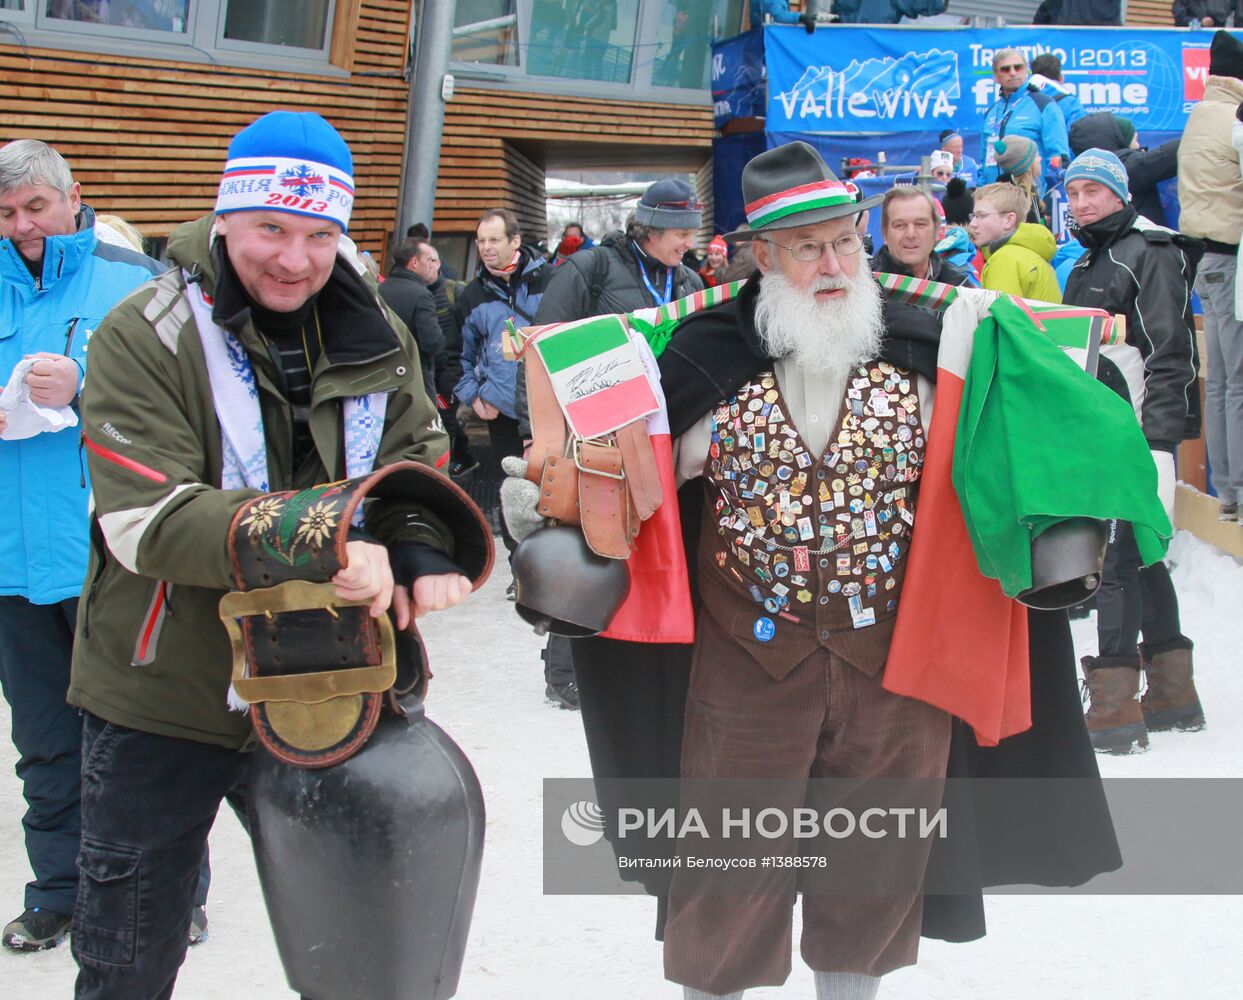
<point>1016,253</point>
<point>271,282</point>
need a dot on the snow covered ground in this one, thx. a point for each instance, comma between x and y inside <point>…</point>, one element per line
<point>488,693</point>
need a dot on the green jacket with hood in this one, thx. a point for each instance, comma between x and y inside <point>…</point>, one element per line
<point>1020,266</point>
<point>151,652</point>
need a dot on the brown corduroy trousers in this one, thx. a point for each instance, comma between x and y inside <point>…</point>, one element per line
<point>825,719</point>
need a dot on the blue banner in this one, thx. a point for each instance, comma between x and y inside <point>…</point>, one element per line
<point>738,77</point>
<point>893,79</point>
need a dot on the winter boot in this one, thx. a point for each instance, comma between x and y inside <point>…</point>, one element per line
<point>1171,701</point>
<point>36,929</point>
<point>1115,721</point>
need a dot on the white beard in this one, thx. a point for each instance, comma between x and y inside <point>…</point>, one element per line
<point>824,338</point>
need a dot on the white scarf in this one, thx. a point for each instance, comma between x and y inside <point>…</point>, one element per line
<point>236,398</point>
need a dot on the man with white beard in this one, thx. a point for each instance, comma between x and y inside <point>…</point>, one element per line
<point>811,471</point>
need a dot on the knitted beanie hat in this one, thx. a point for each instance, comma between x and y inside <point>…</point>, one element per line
<point>1015,153</point>
<point>1101,166</point>
<point>669,204</point>
<point>1225,56</point>
<point>719,245</point>
<point>957,202</point>
<point>289,161</point>
<point>1126,127</point>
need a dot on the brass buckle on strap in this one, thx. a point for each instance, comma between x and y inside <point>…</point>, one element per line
<point>309,688</point>
<point>603,443</point>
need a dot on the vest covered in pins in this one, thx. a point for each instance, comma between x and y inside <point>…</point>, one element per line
<point>798,550</point>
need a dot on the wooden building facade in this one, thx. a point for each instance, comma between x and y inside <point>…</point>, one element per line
<point>146,125</point>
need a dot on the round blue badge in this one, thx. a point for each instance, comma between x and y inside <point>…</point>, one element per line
<point>763,629</point>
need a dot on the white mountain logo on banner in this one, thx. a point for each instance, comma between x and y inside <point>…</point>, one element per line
<point>918,85</point>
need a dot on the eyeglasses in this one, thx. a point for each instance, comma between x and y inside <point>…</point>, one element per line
<point>808,250</point>
<point>1013,68</point>
<point>981,215</point>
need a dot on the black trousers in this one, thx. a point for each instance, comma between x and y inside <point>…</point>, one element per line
<point>505,440</point>
<point>1134,600</point>
<point>459,443</point>
<point>558,663</point>
<point>36,645</point>
<point>148,804</point>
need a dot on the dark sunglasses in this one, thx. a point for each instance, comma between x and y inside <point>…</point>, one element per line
<point>692,205</point>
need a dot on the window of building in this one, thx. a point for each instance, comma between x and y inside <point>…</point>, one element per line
<point>684,33</point>
<point>273,34</point>
<point>299,23</point>
<point>146,15</point>
<point>583,39</point>
<point>486,31</point>
<point>660,47</point>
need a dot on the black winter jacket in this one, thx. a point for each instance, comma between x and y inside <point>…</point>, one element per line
<point>1145,168</point>
<point>1186,11</point>
<point>1096,12</point>
<point>448,363</point>
<point>902,315</point>
<point>602,280</point>
<point>409,297</point>
<point>1145,273</point>
<point>605,279</point>
<point>942,269</point>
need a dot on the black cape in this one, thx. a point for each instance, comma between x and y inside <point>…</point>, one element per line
<point>1048,835</point>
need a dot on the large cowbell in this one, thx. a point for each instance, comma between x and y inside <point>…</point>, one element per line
<point>366,818</point>
<point>370,867</point>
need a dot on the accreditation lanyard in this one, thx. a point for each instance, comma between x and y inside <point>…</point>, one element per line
<point>648,281</point>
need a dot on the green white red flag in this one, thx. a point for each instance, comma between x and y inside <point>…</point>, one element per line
<point>597,374</point>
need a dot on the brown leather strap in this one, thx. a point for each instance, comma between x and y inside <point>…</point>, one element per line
<point>558,490</point>
<point>589,486</point>
<point>548,430</point>
<point>604,501</point>
<point>642,473</point>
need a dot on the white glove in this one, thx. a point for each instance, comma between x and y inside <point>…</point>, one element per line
<point>519,499</point>
<point>1165,481</point>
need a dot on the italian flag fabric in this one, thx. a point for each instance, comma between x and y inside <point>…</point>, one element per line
<point>658,607</point>
<point>597,374</point>
<point>1039,441</point>
<point>960,643</point>
<point>657,323</point>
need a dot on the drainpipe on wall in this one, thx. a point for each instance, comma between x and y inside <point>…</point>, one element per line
<point>425,114</point>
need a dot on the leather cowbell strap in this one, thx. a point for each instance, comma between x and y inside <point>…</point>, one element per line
<point>608,485</point>
<point>316,670</point>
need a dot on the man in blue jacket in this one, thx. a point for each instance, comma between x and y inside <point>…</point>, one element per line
<point>509,284</point>
<point>1023,110</point>
<point>57,280</point>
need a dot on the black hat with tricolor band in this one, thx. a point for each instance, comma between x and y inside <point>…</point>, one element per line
<point>792,186</point>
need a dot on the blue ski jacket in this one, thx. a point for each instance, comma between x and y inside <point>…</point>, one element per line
<point>43,481</point>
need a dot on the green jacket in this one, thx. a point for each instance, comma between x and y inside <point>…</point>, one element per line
<point>1020,265</point>
<point>151,652</point>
